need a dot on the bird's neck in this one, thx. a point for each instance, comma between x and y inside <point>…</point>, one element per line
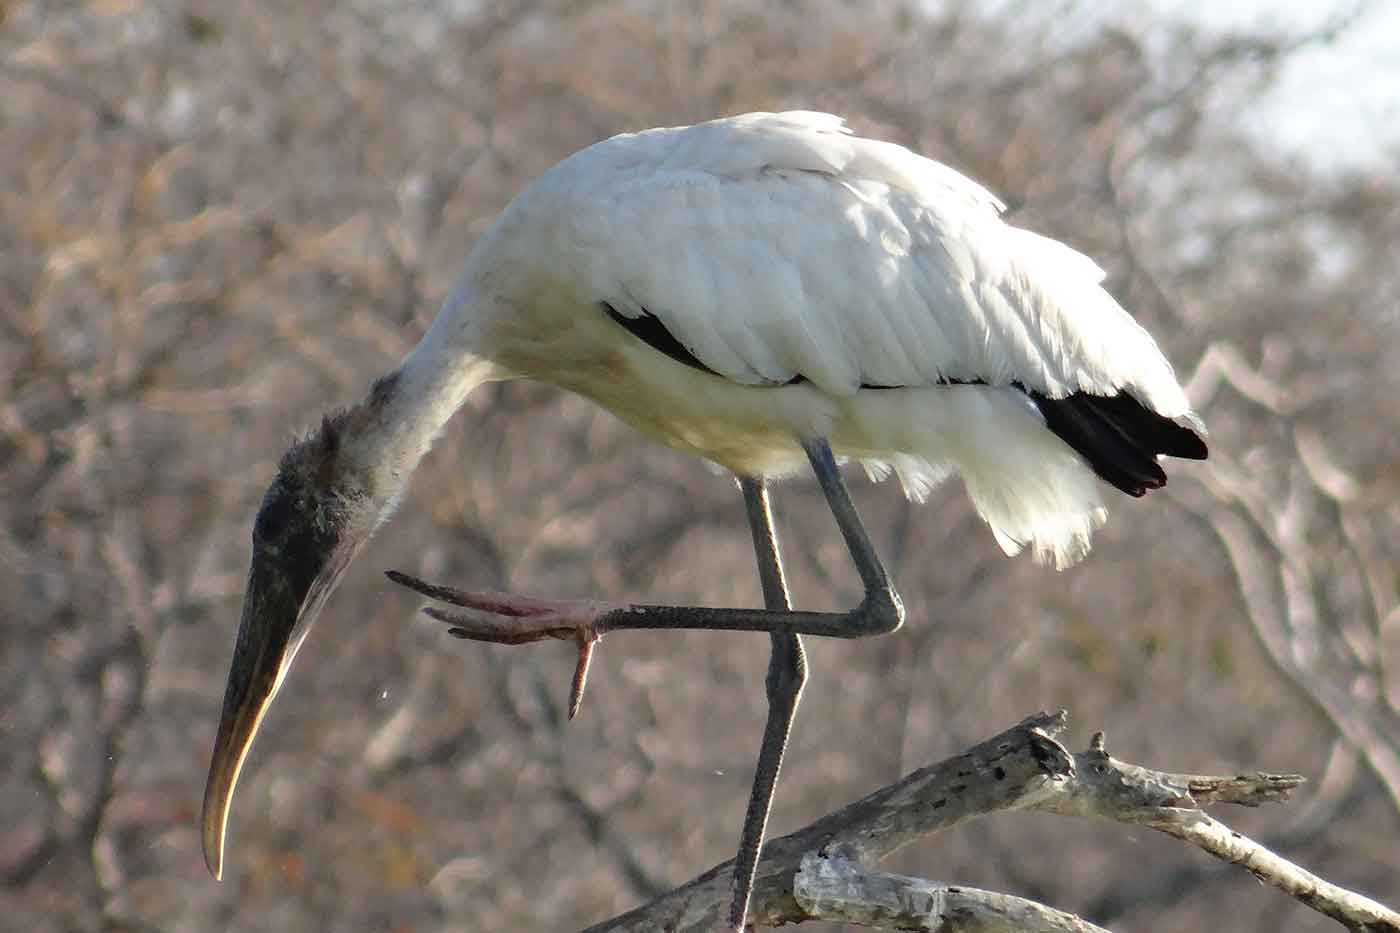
<point>391,430</point>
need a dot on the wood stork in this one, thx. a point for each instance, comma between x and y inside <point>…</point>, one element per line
<point>762,291</point>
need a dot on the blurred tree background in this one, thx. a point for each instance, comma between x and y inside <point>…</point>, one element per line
<point>219,219</point>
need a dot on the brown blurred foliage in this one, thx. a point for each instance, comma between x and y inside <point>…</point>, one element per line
<point>219,219</point>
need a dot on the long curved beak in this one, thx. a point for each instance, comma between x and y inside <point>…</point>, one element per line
<point>269,633</point>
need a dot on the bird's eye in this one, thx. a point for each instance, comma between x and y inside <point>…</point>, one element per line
<point>271,520</point>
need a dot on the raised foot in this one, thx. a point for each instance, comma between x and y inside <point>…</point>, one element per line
<point>506,619</point>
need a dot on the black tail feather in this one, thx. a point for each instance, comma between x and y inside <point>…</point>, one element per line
<point>1120,437</point>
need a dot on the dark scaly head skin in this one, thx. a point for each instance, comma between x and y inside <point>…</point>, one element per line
<point>312,521</point>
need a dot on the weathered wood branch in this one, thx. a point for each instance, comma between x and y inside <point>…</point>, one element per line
<point>839,889</point>
<point>1110,789</point>
<point>825,870</point>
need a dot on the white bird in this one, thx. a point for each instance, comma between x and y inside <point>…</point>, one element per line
<point>760,291</point>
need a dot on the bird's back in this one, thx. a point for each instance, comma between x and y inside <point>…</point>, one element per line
<point>774,246</point>
<point>795,277</point>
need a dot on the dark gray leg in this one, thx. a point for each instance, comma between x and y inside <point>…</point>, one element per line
<point>879,612</point>
<point>787,672</point>
<point>514,620</point>
<point>509,619</point>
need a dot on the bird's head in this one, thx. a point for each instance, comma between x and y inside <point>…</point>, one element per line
<point>316,515</point>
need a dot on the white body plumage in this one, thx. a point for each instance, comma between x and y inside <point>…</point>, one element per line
<point>821,284</point>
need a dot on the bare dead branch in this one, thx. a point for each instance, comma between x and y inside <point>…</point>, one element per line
<point>1170,803</point>
<point>1352,910</point>
<point>839,889</point>
<point>823,871</point>
<point>998,774</point>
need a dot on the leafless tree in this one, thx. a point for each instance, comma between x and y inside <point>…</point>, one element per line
<point>219,219</point>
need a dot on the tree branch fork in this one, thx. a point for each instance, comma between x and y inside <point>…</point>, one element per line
<point>825,871</point>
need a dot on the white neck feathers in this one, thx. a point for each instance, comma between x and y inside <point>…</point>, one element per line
<point>386,435</point>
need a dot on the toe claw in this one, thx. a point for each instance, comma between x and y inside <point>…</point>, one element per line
<point>586,641</point>
<point>504,619</point>
<point>431,590</point>
<point>442,615</point>
<point>411,582</point>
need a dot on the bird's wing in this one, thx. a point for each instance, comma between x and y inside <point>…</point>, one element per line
<point>778,246</point>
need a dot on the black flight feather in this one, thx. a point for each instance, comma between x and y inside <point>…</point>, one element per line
<point>1117,435</point>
